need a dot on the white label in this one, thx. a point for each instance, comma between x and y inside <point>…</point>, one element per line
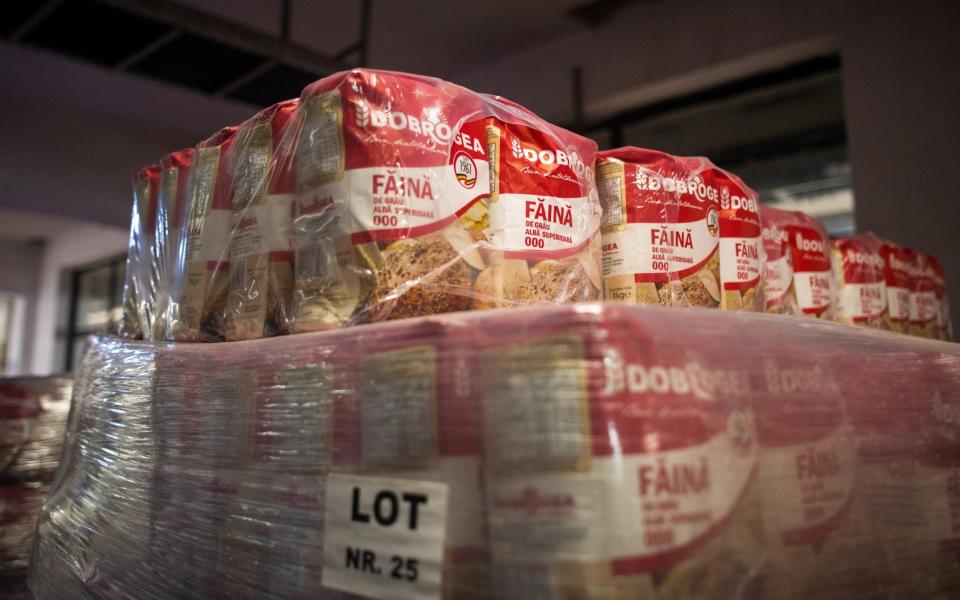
<point>862,301</point>
<point>923,307</point>
<point>814,290</point>
<point>387,198</point>
<point>657,248</point>
<point>637,508</point>
<point>739,260</point>
<point>384,537</point>
<point>779,276</point>
<point>532,223</point>
<point>809,485</point>
<point>898,303</point>
<point>263,228</point>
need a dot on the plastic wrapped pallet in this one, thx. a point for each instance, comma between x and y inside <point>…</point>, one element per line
<point>33,418</point>
<point>595,451</point>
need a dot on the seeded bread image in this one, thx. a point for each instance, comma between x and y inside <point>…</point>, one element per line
<point>419,276</point>
<point>559,281</point>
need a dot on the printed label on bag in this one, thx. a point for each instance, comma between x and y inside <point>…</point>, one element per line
<point>384,537</point>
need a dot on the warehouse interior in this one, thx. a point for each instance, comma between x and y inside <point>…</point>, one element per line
<point>842,108</point>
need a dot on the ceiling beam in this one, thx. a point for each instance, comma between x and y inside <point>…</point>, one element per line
<point>231,34</point>
<point>147,50</point>
<point>35,19</point>
<point>246,78</point>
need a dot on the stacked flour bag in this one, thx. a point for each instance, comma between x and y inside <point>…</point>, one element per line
<point>818,538</point>
<point>260,252</point>
<point>142,219</point>
<point>198,279</point>
<point>896,271</point>
<point>617,459</point>
<point>396,212</point>
<point>661,229</point>
<point>859,271</point>
<point>799,275</point>
<point>678,231</point>
<point>542,242</point>
<point>171,198</point>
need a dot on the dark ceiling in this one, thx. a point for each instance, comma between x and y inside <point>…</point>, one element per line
<point>173,43</point>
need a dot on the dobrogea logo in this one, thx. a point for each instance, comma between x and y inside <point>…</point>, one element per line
<point>428,125</point>
<point>653,181</point>
<point>860,258</point>
<point>538,156</point>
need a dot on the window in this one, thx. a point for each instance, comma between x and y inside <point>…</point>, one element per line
<point>783,132</point>
<point>93,297</point>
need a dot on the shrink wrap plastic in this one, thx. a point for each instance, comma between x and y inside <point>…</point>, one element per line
<point>33,419</point>
<point>594,451</point>
<point>375,196</point>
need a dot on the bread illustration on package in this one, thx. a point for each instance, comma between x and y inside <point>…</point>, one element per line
<point>199,282</point>
<point>896,272</point>
<point>615,468</point>
<point>799,275</point>
<point>171,198</point>
<point>661,229</point>
<point>860,274</point>
<point>138,294</point>
<point>260,252</point>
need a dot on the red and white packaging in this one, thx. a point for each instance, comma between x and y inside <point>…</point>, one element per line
<point>816,534</point>
<point>859,270</point>
<point>799,274</point>
<point>261,244</point>
<point>661,228</point>
<point>171,198</point>
<point>544,213</point>
<point>944,324</point>
<point>200,276</point>
<point>741,244</point>
<point>385,165</point>
<point>897,274</point>
<point>924,304</point>
<point>617,460</point>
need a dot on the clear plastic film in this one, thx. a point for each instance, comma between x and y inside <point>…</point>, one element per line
<point>595,451</point>
<point>164,266</point>
<point>678,231</point>
<point>139,293</point>
<point>33,418</point>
